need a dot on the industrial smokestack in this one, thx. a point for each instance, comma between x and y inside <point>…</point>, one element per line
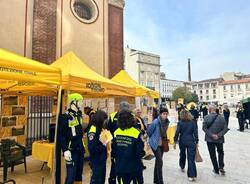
<point>189,70</point>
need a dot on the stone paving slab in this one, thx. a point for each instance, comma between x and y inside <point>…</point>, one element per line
<point>237,161</point>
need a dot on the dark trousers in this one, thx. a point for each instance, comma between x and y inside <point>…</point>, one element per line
<point>112,175</point>
<point>98,173</point>
<point>139,178</point>
<point>128,178</point>
<point>241,124</point>
<point>191,150</point>
<point>75,167</point>
<point>158,179</point>
<point>212,152</point>
<point>227,119</point>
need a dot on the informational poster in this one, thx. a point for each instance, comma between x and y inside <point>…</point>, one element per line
<point>8,121</point>
<point>10,100</point>
<point>180,100</point>
<point>18,110</point>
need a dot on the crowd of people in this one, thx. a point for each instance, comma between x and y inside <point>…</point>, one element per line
<point>123,136</point>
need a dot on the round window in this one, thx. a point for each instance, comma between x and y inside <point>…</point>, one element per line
<point>85,11</point>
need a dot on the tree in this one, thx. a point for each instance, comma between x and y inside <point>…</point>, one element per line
<point>183,92</point>
<point>195,98</point>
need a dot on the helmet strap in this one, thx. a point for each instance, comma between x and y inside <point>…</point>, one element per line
<point>74,106</point>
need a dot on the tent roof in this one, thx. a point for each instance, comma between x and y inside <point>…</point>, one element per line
<point>124,78</point>
<point>20,74</point>
<point>77,76</point>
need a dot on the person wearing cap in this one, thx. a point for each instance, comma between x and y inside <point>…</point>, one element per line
<point>112,127</point>
<point>70,137</point>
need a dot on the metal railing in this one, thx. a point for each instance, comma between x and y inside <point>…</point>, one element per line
<point>39,119</point>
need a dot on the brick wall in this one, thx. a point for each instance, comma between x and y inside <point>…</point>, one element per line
<point>44,31</point>
<point>115,40</point>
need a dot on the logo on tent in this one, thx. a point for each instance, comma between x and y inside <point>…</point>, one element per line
<point>95,87</point>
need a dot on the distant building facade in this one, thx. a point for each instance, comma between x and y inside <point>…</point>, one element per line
<point>143,67</point>
<point>229,88</point>
<point>167,86</point>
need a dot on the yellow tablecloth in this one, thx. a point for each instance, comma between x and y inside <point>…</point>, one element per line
<point>171,132</point>
<point>43,152</point>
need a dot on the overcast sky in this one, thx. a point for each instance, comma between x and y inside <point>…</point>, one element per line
<point>215,34</point>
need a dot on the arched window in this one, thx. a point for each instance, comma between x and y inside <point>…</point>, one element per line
<point>82,10</point>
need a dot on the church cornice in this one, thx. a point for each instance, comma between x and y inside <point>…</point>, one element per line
<point>117,3</point>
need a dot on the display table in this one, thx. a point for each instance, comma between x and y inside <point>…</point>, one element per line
<point>44,152</point>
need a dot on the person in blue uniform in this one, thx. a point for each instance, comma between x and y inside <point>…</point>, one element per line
<point>187,135</point>
<point>112,127</point>
<point>127,149</point>
<point>194,113</point>
<point>70,137</point>
<point>90,113</point>
<point>97,149</point>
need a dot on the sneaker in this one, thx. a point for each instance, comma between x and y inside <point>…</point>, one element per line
<point>191,179</point>
<point>222,171</point>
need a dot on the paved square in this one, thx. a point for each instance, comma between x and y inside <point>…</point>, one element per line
<point>237,161</point>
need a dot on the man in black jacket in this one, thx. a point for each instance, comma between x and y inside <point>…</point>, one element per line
<point>241,118</point>
<point>215,127</point>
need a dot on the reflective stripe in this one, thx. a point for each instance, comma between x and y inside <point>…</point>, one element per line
<point>69,145</point>
<point>92,129</point>
<point>131,132</point>
<point>73,123</point>
<point>119,182</point>
<point>112,116</point>
<point>92,112</point>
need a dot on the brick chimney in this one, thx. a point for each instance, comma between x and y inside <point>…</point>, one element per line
<point>189,70</point>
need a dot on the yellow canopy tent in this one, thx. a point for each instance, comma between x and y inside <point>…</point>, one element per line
<point>124,78</point>
<point>78,77</point>
<point>26,76</point>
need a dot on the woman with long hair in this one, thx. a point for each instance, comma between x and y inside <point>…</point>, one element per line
<point>97,148</point>
<point>187,135</point>
<point>128,150</point>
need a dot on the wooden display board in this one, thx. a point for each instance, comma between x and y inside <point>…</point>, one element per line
<point>14,118</point>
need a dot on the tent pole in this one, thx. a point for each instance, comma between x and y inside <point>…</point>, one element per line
<point>56,175</point>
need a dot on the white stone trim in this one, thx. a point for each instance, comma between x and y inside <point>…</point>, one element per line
<point>117,3</point>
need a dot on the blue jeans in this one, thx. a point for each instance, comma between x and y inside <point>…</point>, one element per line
<point>191,151</point>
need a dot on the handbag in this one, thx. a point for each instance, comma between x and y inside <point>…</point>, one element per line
<point>165,146</point>
<point>198,157</point>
